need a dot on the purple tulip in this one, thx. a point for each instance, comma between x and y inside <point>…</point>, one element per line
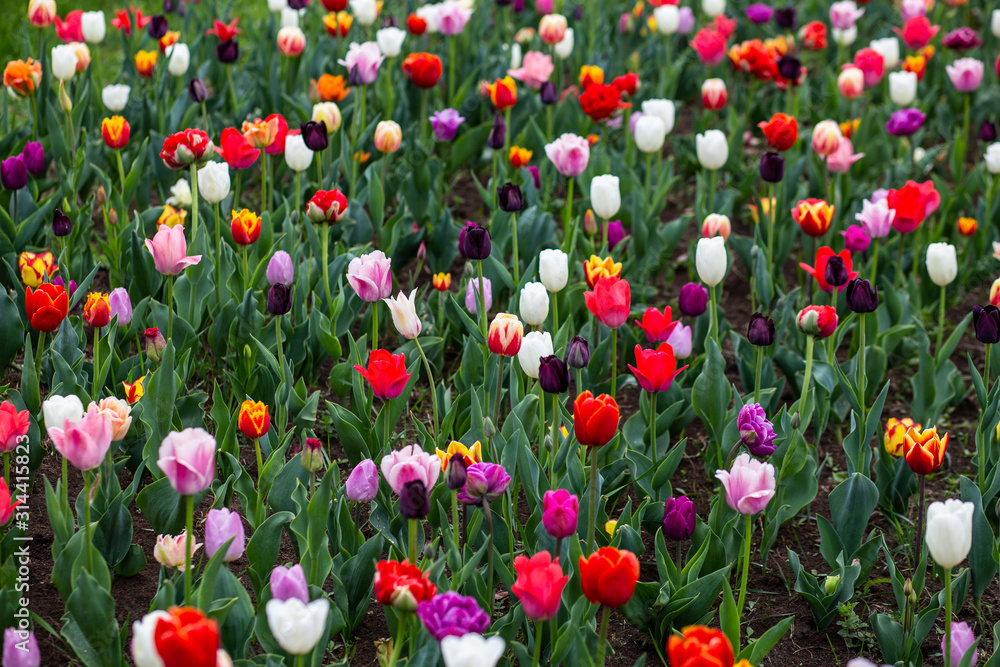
<point>70,289</point>
<point>452,615</point>
<point>962,39</point>
<point>445,124</point>
<point>693,299</point>
<point>472,288</point>
<point>61,224</point>
<point>962,639</point>
<point>279,299</point>
<point>855,239</point>
<point>288,583</point>
<point>121,306</point>
<point>560,513</point>
<point>756,432</point>
<point>988,131</point>
<point>484,481</point>
<point>20,649</point>
<point>34,158</point>
<point>905,122</point>
<point>616,233</point>
<point>280,270</point>
<point>220,526</point>
<point>785,17</point>
<point>13,173</point>
<point>759,13</point>
<point>685,23</point>
<point>536,177</point>
<point>498,134</point>
<point>362,484</point>
<point>678,518</point>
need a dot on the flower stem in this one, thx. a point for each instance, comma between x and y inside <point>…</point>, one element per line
<point>917,546</point>
<point>759,371</point>
<point>413,542</point>
<point>281,356</point>
<point>188,545</point>
<point>374,325</point>
<point>947,613</point>
<point>397,644</point>
<point>538,644</point>
<point>497,397</point>
<point>568,214</point>
<point>260,472</point>
<point>541,420</point>
<point>246,271</point>
<point>746,564</point>
<point>489,556</point>
<point>325,259</point>
<point>982,450</point>
<point>651,424</point>
<point>480,291</point>
<point>218,257</point>
<point>602,635</point>
<point>614,362</point>
<point>194,199</point>
<point>592,518</point>
<point>874,261</point>
<point>430,381</point>
<point>713,331</point>
<point>556,418</point>
<point>940,332</point>
<point>454,519</point>
<point>97,362</point>
<point>263,180</point>
<point>88,545</point>
<point>513,231</point>
<point>810,342</point>
<point>170,307</point>
<point>861,368</point>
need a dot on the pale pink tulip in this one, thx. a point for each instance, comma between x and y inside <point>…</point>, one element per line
<point>535,69</point>
<point>86,442</point>
<point>169,250</point>
<point>749,484</point>
<point>410,464</point>
<point>570,154</point>
<point>187,458</point>
<point>370,276</point>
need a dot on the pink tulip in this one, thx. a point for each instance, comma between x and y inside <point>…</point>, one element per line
<point>909,9</point>
<point>843,157</point>
<point>366,57</point>
<point>876,217</point>
<point>86,442</point>
<point>452,17</point>
<point>13,425</point>
<point>844,14</point>
<point>535,69</point>
<point>560,512</point>
<point>570,154</point>
<point>610,301</point>
<point>966,74</point>
<point>471,295</point>
<point>169,250</point>
<point>410,464</point>
<point>187,458</point>
<point>220,525</point>
<point>749,485</point>
<point>370,276</point>
<point>680,341</point>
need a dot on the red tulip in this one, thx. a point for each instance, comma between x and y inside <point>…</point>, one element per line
<point>609,576</point>
<point>236,150</point>
<point>599,101</point>
<point>700,646</point>
<point>187,638</point>
<point>912,203</point>
<point>818,271</point>
<point>224,31</point>
<point>401,585</point>
<point>781,131</point>
<point>610,301</point>
<point>595,420</point>
<point>657,325</point>
<point>46,307</point>
<point>655,369</point>
<point>386,373</point>
<point>277,147</point>
<point>539,585</point>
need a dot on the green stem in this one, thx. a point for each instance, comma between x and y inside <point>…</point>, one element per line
<point>263,180</point>
<point>513,231</point>
<point>746,564</point>
<point>592,518</point>
<point>451,69</point>
<point>433,387</point>
<point>861,367</point>
<point>981,473</point>
<point>121,179</point>
<point>188,547</point>
<point>88,545</point>
<point>413,542</point>
<point>325,259</point>
<point>555,314</point>
<point>713,331</point>
<point>232,88</point>
<point>874,262</point>
<point>489,556</point>
<point>246,271</point>
<point>651,424</point>
<point>374,325</point>
<point>218,257</point>
<point>480,290</point>
<point>649,173</point>
<point>281,356</point>
<point>602,635</point>
<point>568,214</point>
<point>810,342</point>
<point>97,362</point>
<point>397,644</point>
<point>947,613</point>
<point>497,396</point>
<point>614,362</point>
<point>940,332</point>
<point>555,438</point>
<point>772,217</point>
<point>541,420</point>
<point>759,372</point>
<point>538,644</point>
<point>260,473</point>
<point>454,519</point>
<point>170,307</point>
<point>300,660</point>
<point>194,201</point>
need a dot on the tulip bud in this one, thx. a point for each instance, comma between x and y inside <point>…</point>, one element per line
<point>578,352</point>
<point>64,101</point>
<point>589,222</point>
<point>548,93</point>
<point>61,224</point>
<point>489,430</point>
<point>279,299</point>
<point>155,343</point>
<point>818,321</point>
<point>902,87</point>
<point>830,583</point>
<point>836,274</point>
<point>414,503</point>
<point>509,197</point>
<point>862,297</point>
<point>772,167</point>
<point>986,323</point>
<point>311,456</point>
<point>315,135</point>
<point>534,303</point>
<point>712,149</point>
<point>456,472</point>
<point>988,130</point>
<point>790,68</point>
<point>112,217</point>
<point>711,260</point>
<point>547,443</point>
<point>649,132</point>
<point>553,374</point>
<point>796,420</point>
<point>678,518</point>
<point>197,91</point>
<point>498,134</point>
<point>553,269</point>
<point>942,263</point>
<point>362,483</point>
<point>475,243</point>
<point>693,299</point>
<point>101,197</point>
<point>760,330</point>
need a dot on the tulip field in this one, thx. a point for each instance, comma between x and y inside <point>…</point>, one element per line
<point>520,333</point>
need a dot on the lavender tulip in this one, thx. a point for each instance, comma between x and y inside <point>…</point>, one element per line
<point>445,124</point>
<point>220,526</point>
<point>484,481</point>
<point>280,270</point>
<point>288,583</point>
<point>362,484</point>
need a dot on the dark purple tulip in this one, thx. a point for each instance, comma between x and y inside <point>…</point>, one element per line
<point>861,296</point>
<point>553,375</point>
<point>34,158</point>
<point>578,352</point>
<point>693,299</point>
<point>354,77</point>
<point>962,39</point>
<point>986,321</point>
<point>315,135</point>
<point>13,173</point>
<point>789,67</point>
<point>228,51</point>
<point>518,6</point>
<point>988,132</point>
<point>548,93</point>
<point>756,432</point>
<point>509,197</point>
<point>484,481</point>
<point>390,22</point>
<point>457,472</point>
<point>157,26</point>
<point>759,13</point>
<point>169,6</point>
<point>760,330</point>
<point>905,122</point>
<point>70,289</point>
<point>836,272</point>
<point>785,17</point>
<point>578,13</point>
<point>414,503</point>
<point>503,3</point>
<point>297,4</point>
<point>61,224</point>
<point>498,134</point>
<point>616,233</point>
<point>197,91</point>
<point>445,124</point>
<point>475,242</point>
<point>536,177</point>
<point>452,615</point>
<point>678,518</point>
<point>279,299</point>
<point>772,167</point>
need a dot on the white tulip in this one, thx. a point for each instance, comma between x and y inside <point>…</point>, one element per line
<point>275,6</point>
<point>515,55</point>
<point>115,97</point>
<point>390,41</point>
<point>903,87</point>
<point>93,26</point>
<point>365,11</point>
<point>429,13</point>
<point>298,157</point>
<point>144,653</point>
<point>213,182</point>
<point>710,260</point>
<point>605,197</point>
<point>942,264</point>
<point>992,158</point>
<point>888,48</point>
<point>995,23</point>
<point>713,8</point>
<point>650,133</point>
<point>534,304</point>
<point>296,626</point>
<point>949,531</point>
<point>564,49</point>
<point>662,109</point>
<point>64,62</point>
<point>290,18</point>
<point>471,650</point>
<point>553,269</point>
<point>668,19</point>
<point>178,59</point>
<point>712,149</point>
<point>57,410</point>
<point>180,194</point>
<point>535,345</point>
<point>845,37</point>
<point>404,314</point>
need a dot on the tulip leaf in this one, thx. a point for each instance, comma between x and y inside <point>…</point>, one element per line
<point>756,650</point>
<point>29,379</point>
<point>952,342</point>
<point>11,330</point>
<point>981,560</point>
<point>91,628</point>
<point>729,618</point>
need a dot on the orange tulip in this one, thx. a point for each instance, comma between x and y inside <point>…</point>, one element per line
<point>442,281</point>
<point>471,455</point>
<point>813,216</point>
<point>144,63</point>
<point>503,93</point>
<point>609,576</point>
<point>590,74</point>
<point>967,226</point>
<point>924,450</point>
<point>332,88</point>
<point>245,227</point>
<point>595,420</point>
<point>254,420</point>
<point>338,24</point>
<point>115,131</point>
<point>22,78</point>
<point>260,133</point>
<point>700,646</point>
<point>519,157</point>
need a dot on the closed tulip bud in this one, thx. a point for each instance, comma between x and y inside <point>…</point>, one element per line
<point>942,263</point>
<point>949,531</point>
<point>489,430</point>
<point>456,472</point>
<point>693,299</point>
<point>988,130</point>
<point>154,344</point>
<point>414,503</point>
<point>498,135</point>
<point>548,93</point>
<point>992,158</point>
<point>197,91</point>
<point>712,149</point>
<point>388,136</point>
<point>553,269</point>
<point>362,483</point>
<point>818,321</point>
<point>760,330</point>
<point>711,260</point>
<point>20,648</point>
<point>214,182</point>
<point>178,59</point>
<point>560,513</point>
<point>534,304</point>
<point>772,167</point>
<point>662,109</point>
<point>101,197</point>
<point>509,197</point>
<point>280,270</point>
<point>851,82</point>
<point>903,87</point>
<point>836,273</point>
<point>297,626</point>
<point>986,322</point>
<point>65,103</point>
<point>298,156</point>
<point>862,297</point>
<point>714,94</point>
<point>716,224</point>
<point>227,52</point>
<point>668,19</point>
<point>589,222</point>
<point>578,352</point>
<point>678,518</point>
<point>605,196</point>
<point>112,217</point>
<point>506,335</point>
<point>830,583</point>
<point>564,49</point>
<point>311,456</point>
<point>63,61</point>
<point>650,135</point>
<point>535,345</point>
<point>553,375</point>
<point>826,137</point>
<point>475,244</point>
<point>61,224</point>
<point>221,525</point>
<point>790,68</point>
<point>279,299</point>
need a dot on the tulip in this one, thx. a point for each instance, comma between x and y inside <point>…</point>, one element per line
<point>876,218</point>
<point>553,375</point>
<point>280,270</point>
<point>924,449</point>
<point>505,335</point>
<point>609,301</point>
<point>949,539</point>
<point>712,149</point>
<point>213,182</point>
<point>657,325</point>
<point>13,426</point>
<point>894,437</point>
<point>388,136</point>
<point>756,431</point>
<point>510,201</point>
<point>452,615</point>
<point>58,410</point>
<point>534,303</point>
<point>64,60</point>
<point>678,518</point>
<point>474,242</point>
<point>656,369</point>
<point>187,458</point>
<point>942,263</point>
<point>692,299</point>
<point>84,442</point>
<point>534,346</point>
<point>298,156</point>
<point>289,583</point>
<point>902,87</point>
<point>279,300</point>
<point>962,639</point>
<point>862,297</point>
<point>169,551</point>
<point>404,314</point>
<point>20,648</point>
<point>749,485</point>
<point>390,41</point>
<point>966,74</point>
<point>662,109</point>
<point>472,294</point>
<point>992,158</point>
<point>370,276</point>
<point>34,158</point>
<point>986,323</point>
<point>472,650</point>
<point>423,69</point>
<point>608,577</point>
<point>13,173</point>
<point>220,526</point>
<point>851,82</point>
<point>713,92</point>
<point>485,482</point>
<point>595,268</point>
<point>539,585</point>
<point>7,508</point>
<point>362,483</point>
<point>560,510</point>
<point>553,269</point>
<point>552,29</point>
<point>698,645</point>
<point>296,626</point>
<point>578,352</point>
<point>197,91</point>
<point>445,124</point>
<point>184,636</point>
<point>178,59</point>
<point>386,373</point>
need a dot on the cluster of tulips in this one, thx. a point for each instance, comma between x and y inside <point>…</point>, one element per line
<point>562,416</point>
